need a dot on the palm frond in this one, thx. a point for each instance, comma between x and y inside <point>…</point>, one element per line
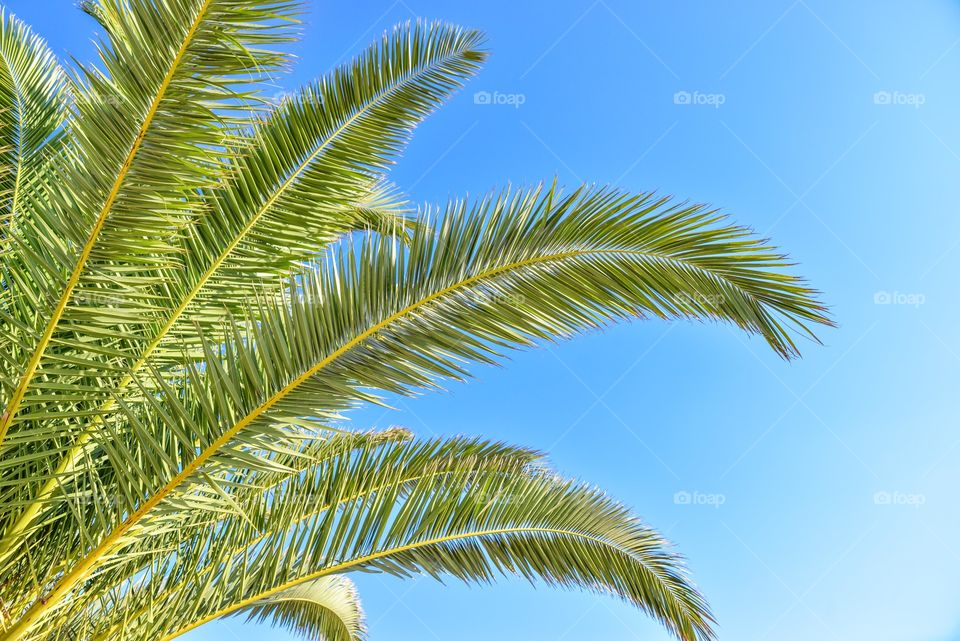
<point>187,544</point>
<point>326,609</point>
<point>524,266</point>
<point>303,177</point>
<point>197,285</point>
<point>309,166</point>
<point>147,132</point>
<point>472,524</point>
<point>33,108</point>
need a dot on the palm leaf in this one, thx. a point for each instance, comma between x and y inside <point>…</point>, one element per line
<point>32,95</point>
<point>307,175</point>
<point>147,131</point>
<point>521,267</point>
<point>459,508</point>
<point>475,527</point>
<point>185,547</point>
<point>303,177</point>
<point>326,609</point>
<point>197,286</point>
<point>33,104</point>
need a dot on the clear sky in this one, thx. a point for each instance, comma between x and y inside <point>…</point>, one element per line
<point>823,493</point>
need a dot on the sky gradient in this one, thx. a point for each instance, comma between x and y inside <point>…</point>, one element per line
<point>815,499</point>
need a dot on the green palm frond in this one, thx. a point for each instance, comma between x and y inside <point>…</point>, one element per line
<point>310,163</point>
<point>209,534</point>
<point>475,527</point>
<point>539,265</point>
<point>309,174</point>
<point>196,286</point>
<point>32,95</point>
<point>33,107</point>
<point>457,508</point>
<point>327,608</point>
<point>526,266</point>
<point>149,128</point>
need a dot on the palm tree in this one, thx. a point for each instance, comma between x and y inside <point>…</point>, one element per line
<point>196,284</point>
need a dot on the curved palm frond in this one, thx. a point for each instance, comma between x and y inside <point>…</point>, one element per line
<point>476,527</point>
<point>186,309</point>
<point>326,609</point>
<point>525,266</point>
<point>148,130</point>
<point>315,157</point>
<point>187,547</point>
<point>303,177</point>
<point>457,508</point>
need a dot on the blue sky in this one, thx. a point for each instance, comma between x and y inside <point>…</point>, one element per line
<point>823,493</point>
